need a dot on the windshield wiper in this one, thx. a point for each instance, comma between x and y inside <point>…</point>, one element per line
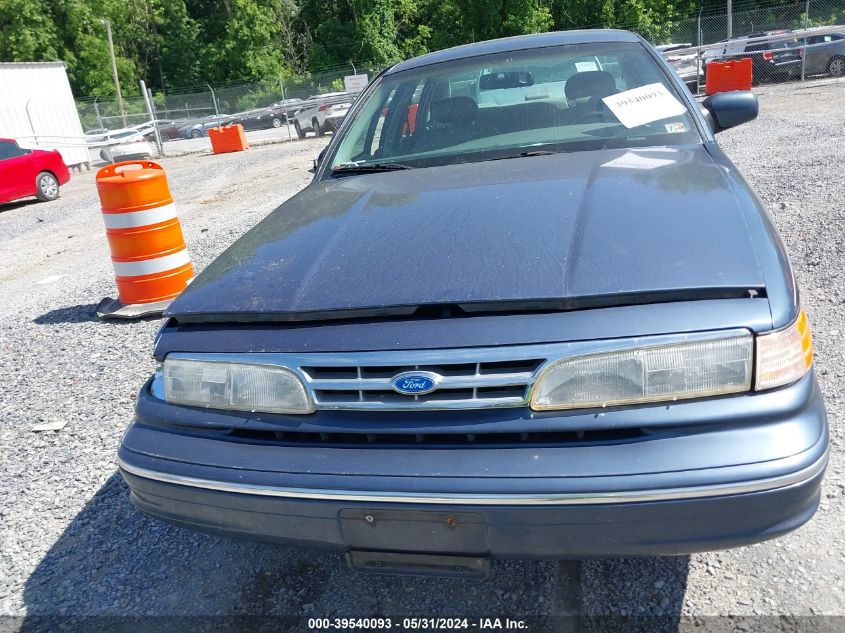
<point>538,152</point>
<point>352,168</point>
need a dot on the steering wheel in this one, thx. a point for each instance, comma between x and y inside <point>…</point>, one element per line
<point>596,116</point>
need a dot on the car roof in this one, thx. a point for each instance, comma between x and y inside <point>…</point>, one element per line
<point>7,140</point>
<point>516,43</point>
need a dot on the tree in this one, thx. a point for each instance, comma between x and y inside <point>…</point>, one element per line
<point>28,33</point>
<point>174,44</point>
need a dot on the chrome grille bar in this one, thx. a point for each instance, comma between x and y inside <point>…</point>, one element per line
<point>444,382</point>
<point>460,385</point>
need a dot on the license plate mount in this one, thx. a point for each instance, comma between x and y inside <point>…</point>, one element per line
<point>414,531</point>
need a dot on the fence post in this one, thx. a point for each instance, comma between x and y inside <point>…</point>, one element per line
<point>148,100</point>
<point>97,110</point>
<point>698,55</point>
<point>214,101</point>
<point>804,53</point>
<point>287,111</point>
<point>730,19</point>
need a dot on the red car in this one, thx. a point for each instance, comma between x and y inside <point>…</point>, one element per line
<point>30,172</point>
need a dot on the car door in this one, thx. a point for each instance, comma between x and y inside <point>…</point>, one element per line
<point>819,56</point>
<point>16,167</point>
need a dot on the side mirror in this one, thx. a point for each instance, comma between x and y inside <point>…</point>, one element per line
<point>318,160</point>
<point>729,109</point>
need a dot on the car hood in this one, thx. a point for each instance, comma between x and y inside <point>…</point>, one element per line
<point>557,231</point>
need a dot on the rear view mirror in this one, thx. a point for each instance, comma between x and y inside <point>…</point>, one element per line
<point>505,79</point>
<point>318,160</point>
<point>729,109</point>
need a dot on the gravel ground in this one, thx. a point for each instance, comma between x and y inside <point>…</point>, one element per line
<point>71,544</point>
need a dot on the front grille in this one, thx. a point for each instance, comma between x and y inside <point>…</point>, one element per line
<point>459,385</point>
<point>444,440</point>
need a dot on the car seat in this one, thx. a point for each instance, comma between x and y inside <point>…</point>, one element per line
<point>587,90</point>
<point>451,121</point>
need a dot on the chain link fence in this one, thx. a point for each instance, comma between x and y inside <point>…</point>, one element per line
<point>213,101</point>
<point>190,106</point>
<point>708,29</point>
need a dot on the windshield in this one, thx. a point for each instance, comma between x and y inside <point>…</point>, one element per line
<point>561,98</point>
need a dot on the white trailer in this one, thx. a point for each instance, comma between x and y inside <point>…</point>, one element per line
<point>37,109</point>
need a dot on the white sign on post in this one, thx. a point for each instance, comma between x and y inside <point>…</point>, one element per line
<point>645,104</point>
<point>355,83</point>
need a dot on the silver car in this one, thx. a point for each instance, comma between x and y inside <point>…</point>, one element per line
<point>825,54</point>
<point>322,113</point>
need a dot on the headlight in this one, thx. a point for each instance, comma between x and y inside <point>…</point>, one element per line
<point>647,374</point>
<point>237,386</point>
<point>785,355</point>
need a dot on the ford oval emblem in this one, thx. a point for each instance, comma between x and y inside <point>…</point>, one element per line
<point>415,383</point>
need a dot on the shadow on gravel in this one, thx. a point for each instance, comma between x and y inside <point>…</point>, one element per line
<point>114,569</point>
<point>17,204</point>
<point>82,313</point>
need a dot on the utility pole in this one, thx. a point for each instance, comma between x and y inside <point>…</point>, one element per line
<point>114,72</point>
<point>730,19</point>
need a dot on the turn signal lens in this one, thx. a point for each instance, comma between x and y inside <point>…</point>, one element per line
<point>234,386</point>
<point>648,374</point>
<point>785,355</point>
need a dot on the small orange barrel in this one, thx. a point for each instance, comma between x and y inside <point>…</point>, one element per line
<point>229,138</point>
<point>150,259</point>
<point>735,74</point>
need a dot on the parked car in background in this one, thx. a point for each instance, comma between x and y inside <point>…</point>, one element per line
<point>274,116</point>
<point>30,172</point>
<point>129,145</point>
<point>322,113</point>
<point>260,119</point>
<point>168,130</point>
<point>97,134</point>
<point>770,60</point>
<point>198,129</point>
<point>825,54</point>
<point>287,106</point>
<point>539,329</point>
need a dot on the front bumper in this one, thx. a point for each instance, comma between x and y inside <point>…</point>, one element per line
<point>694,489</point>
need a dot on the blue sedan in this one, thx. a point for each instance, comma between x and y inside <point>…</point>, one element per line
<point>527,308</point>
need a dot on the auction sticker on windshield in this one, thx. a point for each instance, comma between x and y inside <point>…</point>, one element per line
<point>583,67</point>
<point>645,104</point>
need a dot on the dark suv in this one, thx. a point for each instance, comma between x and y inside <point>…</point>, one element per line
<point>550,322</point>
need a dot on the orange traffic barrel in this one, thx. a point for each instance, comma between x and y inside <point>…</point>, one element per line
<point>150,259</point>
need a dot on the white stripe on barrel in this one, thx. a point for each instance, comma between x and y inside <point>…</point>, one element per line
<point>152,266</point>
<point>135,219</point>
